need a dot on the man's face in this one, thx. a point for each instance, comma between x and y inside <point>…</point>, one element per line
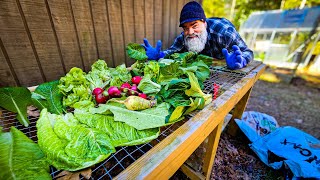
<point>195,35</point>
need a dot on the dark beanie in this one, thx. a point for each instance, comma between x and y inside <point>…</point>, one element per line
<point>192,11</point>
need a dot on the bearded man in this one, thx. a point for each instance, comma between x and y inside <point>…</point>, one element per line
<point>212,37</point>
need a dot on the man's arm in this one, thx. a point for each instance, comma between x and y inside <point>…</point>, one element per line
<point>177,46</point>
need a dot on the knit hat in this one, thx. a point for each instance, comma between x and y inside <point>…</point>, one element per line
<point>192,11</point>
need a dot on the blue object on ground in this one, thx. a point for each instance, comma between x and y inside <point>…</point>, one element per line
<point>256,124</point>
<point>284,145</point>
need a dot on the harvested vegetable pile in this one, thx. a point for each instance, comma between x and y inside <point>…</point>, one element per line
<point>112,107</point>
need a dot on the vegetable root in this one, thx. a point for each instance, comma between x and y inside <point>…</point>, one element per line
<point>136,103</point>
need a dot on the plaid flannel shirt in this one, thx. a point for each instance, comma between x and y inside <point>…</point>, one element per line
<point>221,34</point>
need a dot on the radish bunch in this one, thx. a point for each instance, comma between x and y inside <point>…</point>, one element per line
<point>126,89</point>
<point>99,95</point>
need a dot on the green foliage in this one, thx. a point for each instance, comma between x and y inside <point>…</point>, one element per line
<point>21,158</point>
<point>75,87</point>
<point>120,75</point>
<point>68,144</point>
<point>16,99</point>
<point>243,8</point>
<point>292,4</point>
<point>140,120</point>
<point>47,95</point>
<point>214,8</point>
<point>137,52</point>
<point>100,75</point>
<point>147,86</point>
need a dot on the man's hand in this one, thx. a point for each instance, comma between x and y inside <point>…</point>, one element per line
<point>234,59</point>
<point>153,53</point>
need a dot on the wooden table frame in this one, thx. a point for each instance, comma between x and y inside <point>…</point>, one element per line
<point>163,160</point>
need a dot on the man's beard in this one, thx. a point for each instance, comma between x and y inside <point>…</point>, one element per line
<point>197,43</point>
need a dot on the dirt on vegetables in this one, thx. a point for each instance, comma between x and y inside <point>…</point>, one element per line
<point>291,104</point>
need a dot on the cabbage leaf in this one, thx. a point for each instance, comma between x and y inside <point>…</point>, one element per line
<point>70,145</point>
<point>137,52</point>
<point>145,119</point>
<point>47,95</point>
<point>16,99</point>
<point>120,133</point>
<point>21,158</point>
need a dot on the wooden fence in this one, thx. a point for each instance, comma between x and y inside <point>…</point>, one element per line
<point>41,40</point>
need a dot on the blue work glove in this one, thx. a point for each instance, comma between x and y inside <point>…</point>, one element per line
<point>153,53</point>
<point>234,59</point>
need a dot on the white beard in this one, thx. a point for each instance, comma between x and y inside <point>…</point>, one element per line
<point>197,43</point>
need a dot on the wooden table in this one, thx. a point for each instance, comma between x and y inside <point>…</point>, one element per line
<point>163,160</point>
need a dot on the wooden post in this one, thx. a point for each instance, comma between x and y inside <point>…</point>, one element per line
<point>213,141</point>
<point>237,114</point>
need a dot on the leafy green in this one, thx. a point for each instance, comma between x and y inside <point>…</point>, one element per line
<point>16,99</point>
<point>202,72</point>
<point>184,108</point>
<point>100,75</point>
<point>148,87</point>
<point>145,119</point>
<point>184,58</point>
<point>70,145</point>
<point>21,158</point>
<point>136,51</point>
<point>137,68</point>
<point>177,113</point>
<point>169,72</point>
<point>75,87</point>
<point>206,59</point>
<point>120,75</point>
<point>47,95</point>
<point>175,87</point>
<point>195,90</point>
<point>152,70</point>
<point>120,133</point>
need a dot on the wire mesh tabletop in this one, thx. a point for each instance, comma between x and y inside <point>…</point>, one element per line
<point>125,156</point>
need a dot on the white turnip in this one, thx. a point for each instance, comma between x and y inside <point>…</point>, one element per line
<point>137,103</point>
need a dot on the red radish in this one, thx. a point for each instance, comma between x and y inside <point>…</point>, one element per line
<point>125,86</point>
<point>134,87</point>
<point>100,99</point>
<point>144,96</point>
<point>97,91</point>
<point>114,91</point>
<point>136,79</point>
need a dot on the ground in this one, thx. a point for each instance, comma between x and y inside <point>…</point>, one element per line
<point>296,104</point>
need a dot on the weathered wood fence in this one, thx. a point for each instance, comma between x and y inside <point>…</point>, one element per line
<point>41,40</point>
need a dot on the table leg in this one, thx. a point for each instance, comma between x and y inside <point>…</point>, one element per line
<point>237,113</point>
<point>213,141</point>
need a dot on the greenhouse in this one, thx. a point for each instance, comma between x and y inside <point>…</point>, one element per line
<point>278,37</point>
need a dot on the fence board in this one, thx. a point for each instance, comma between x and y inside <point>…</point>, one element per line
<point>114,10</point>
<point>6,76</point>
<point>166,21</point>
<point>66,33</point>
<point>17,44</point>
<point>102,30</point>
<point>179,8</point>
<point>149,21</point>
<point>139,21</point>
<point>158,20</point>
<point>85,33</point>
<point>43,38</point>
<point>128,24</point>
<point>173,22</point>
